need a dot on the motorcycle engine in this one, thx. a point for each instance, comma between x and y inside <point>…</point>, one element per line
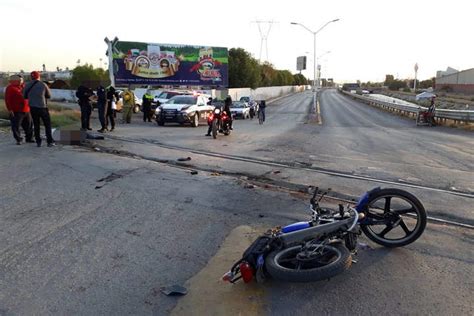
<point>351,241</point>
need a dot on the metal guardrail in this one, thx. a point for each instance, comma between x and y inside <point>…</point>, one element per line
<point>456,115</point>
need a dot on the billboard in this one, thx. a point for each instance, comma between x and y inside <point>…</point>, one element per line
<point>169,64</point>
<point>301,63</point>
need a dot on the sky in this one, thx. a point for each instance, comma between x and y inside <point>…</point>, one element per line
<point>371,39</point>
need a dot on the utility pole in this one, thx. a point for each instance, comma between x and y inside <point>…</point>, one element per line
<point>110,48</point>
<point>264,36</point>
<point>416,73</point>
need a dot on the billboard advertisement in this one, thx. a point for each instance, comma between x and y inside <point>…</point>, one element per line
<point>169,64</point>
<point>301,63</point>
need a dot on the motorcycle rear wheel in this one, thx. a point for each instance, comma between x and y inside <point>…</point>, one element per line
<point>292,265</point>
<point>392,213</point>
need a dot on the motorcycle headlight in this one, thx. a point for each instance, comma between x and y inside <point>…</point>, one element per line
<point>217,111</point>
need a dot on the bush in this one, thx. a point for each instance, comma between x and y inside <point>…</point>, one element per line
<point>406,89</point>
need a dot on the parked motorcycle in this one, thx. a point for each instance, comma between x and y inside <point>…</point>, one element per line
<point>220,122</point>
<point>426,117</point>
<point>323,247</point>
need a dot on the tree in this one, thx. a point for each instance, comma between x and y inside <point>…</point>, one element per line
<point>388,79</point>
<point>299,80</point>
<point>244,70</point>
<point>425,84</point>
<point>89,76</point>
<point>287,78</point>
<point>268,75</point>
<point>396,84</point>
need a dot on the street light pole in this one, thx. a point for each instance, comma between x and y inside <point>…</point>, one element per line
<point>314,68</point>
<point>319,66</point>
<point>315,83</point>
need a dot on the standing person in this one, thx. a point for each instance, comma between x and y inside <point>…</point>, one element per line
<point>227,105</point>
<point>102,107</point>
<point>209,123</point>
<point>83,93</point>
<point>19,110</point>
<point>110,112</point>
<point>128,103</point>
<point>261,109</point>
<point>37,92</point>
<point>146,106</point>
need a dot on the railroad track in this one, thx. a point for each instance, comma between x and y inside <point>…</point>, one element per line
<point>295,166</point>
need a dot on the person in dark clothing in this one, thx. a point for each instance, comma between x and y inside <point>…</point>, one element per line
<point>37,92</point>
<point>83,94</point>
<point>431,112</point>
<point>209,129</point>
<point>112,97</point>
<point>19,110</point>
<point>261,109</point>
<point>102,107</point>
<point>146,106</point>
<point>227,105</point>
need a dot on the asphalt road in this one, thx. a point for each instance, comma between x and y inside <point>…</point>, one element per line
<point>354,139</point>
<point>88,232</point>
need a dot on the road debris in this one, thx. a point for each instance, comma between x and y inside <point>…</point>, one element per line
<point>132,233</point>
<point>184,159</point>
<point>174,290</point>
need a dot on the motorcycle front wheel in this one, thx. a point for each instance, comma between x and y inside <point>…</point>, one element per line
<point>394,218</point>
<point>214,129</point>
<point>308,264</point>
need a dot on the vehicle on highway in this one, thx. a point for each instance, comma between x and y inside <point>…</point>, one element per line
<point>240,109</point>
<point>321,248</point>
<point>247,99</point>
<point>164,96</point>
<point>219,122</point>
<point>184,109</point>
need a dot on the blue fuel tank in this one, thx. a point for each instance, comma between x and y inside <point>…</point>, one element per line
<point>295,226</point>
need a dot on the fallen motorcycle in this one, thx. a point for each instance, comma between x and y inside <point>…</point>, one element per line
<point>323,247</point>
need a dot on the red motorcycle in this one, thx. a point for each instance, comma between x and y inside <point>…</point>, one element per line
<point>220,122</point>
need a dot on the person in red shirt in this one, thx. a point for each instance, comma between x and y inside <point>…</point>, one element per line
<point>19,110</point>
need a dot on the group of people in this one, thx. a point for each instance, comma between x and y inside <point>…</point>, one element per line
<point>106,99</point>
<point>106,104</point>
<point>27,106</point>
<point>226,109</point>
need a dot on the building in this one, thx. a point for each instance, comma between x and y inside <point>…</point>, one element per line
<point>457,81</point>
<point>447,72</point>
